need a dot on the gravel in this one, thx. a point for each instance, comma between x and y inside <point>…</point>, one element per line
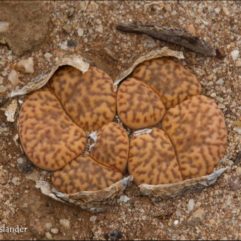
<point>4,26</point>
<point>26,65</point>
<point>48,235</point>
<point>16,181</point>
<point>13,77</point>
<point>80,32</point>
<point>24,165</point>
<point>48,226</point>
<point>65,223</point>
<point>191,205</point>
<point>124,199</point>
<point>93,219</point>
<point>235,54</point>
<point>54,230</point>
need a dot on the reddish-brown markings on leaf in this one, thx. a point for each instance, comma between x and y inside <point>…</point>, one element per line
<point>84,174</point>
<point>173,81</point>
<point>88,98</point>
<point>49,138</point>
<point>138,106</point>
<point>112,146</point>
<point>199,135</point>
<point>152,159</point>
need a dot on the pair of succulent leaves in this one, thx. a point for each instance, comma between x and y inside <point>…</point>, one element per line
<point>186,136</point>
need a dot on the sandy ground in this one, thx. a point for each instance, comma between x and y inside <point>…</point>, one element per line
<point>48,31</point>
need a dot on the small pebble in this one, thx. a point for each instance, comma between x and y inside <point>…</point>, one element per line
<point>228,202</point>
<point>93,6</point>
<point>150,43</point>
<point>124,199</point>
<point>67,28</point>
<point>237,130</point>
<point>4,26</point>
<point>80,32</point>
<point>226,11</point>
<point>4,73</point>
<point>234,183</point>
<point>26,65</point>
<point>191,29</point>
<point>238,63</point>
<point>229,162</point>
<point>3,89</point>
<point>199,213</point>
<point>63,45</point>
<point>71,43</point>
<point>176,222</point>
<point>221,106</point>
<point>99,28</point>
<point>16,181</point>
<point>48,56</point>
<point>11,110</point>
<point>190,205</point>
<point>220,82</point>
<point>24,165</point>
<point>4,130</point>
<point>237,158</point>
<point>93,219</point>
<point>114,235</point>
<point>3,176</point>
<point>65,223</point>
<point>217,10</point>
<point>13,77</point>
<point>238,171</point>
<point>54,230</point>
<point>70,12</point>
<point>235,54</point>
<point>213,94</point>
<point>48,226</point>
<point>48,235</point>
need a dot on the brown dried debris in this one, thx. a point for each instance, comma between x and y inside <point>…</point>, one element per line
<point>175,36</point>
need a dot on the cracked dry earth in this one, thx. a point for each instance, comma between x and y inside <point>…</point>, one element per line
<point>88,28</point>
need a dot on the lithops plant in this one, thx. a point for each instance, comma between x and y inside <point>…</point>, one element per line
<point>48,136</point>
<point>54,123</point>
<point>92,94</point>
<point>173,81</point>
<point>153,124</point>
<point>102,167</point>
<point>138,105</point>
<point>112,146</point>
<point>152,159</point>
<point>193,137</point>
<point>197,130</point>
<point>84,174</point>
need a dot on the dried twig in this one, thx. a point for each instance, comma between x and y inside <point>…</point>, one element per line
<point>175,36</point>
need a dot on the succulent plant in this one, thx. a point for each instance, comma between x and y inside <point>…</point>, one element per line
<point>185,138</point>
